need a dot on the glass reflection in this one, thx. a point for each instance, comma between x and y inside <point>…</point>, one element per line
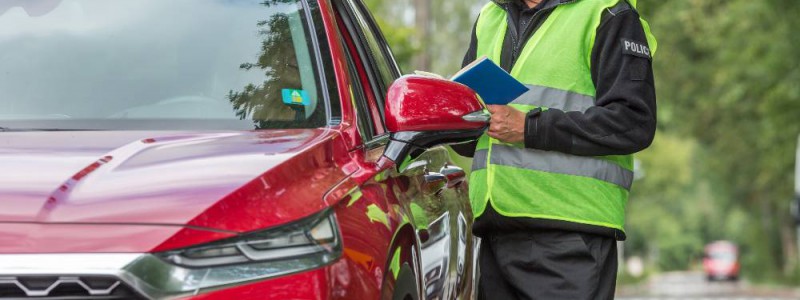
<point>286,63</point>
<point>151,64</point>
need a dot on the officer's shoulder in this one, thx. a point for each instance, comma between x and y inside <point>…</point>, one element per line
<point>622,7</point>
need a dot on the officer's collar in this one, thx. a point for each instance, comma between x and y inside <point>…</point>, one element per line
<point>547,3</point>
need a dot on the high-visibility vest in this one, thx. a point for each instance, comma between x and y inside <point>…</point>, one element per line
<point>556,65</point>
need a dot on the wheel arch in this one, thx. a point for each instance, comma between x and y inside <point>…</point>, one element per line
<point>403,277</point>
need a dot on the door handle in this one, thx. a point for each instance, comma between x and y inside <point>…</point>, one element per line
<point>434,182</point>
<point>455,175</point>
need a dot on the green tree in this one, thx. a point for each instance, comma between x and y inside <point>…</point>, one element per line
<point>426,34</point>
<point>727,76</point>
<point>399,35</point>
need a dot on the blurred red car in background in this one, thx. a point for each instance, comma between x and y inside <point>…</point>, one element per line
<point>721,261</point>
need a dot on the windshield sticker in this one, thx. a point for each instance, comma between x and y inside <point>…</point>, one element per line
<point>295,97</point>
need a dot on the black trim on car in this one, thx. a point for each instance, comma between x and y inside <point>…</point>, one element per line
<point>363,119</point>
<point>348,17</point>
<point>324,61</point>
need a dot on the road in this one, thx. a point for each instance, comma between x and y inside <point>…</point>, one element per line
<point>693,286</point>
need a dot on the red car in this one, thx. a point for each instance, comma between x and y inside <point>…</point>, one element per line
<point>721,261</point>
<point>225,149</point>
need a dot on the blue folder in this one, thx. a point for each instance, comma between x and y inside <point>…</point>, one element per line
<point>493,84</point>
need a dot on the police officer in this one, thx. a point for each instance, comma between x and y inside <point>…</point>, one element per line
<point>550,178</point>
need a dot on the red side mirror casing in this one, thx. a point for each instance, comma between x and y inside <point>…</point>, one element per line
<point>422,104</point>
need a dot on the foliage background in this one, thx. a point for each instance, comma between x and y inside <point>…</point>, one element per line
<point>722,164</point>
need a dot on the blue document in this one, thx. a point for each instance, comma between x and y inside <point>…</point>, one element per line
<point>493,84</point>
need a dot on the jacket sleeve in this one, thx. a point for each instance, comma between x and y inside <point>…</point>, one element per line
<point>623,120</point>
<point>468,149</point>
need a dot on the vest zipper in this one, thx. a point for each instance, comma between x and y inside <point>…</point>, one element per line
<point>514,35</point>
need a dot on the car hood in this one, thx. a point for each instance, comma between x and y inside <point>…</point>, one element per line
<point>236,181</point>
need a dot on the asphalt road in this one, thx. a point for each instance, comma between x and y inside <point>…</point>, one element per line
<point>694,286</point>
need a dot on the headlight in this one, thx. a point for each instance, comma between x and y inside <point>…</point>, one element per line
<point>313,237</point>
<point>307,244</point>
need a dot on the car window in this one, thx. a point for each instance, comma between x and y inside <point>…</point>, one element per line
<point>378,55</point>
<point>179,64</point>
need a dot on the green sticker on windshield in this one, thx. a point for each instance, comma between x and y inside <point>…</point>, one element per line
<point>295,97</point>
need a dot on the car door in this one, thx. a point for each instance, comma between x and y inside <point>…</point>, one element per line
<point>428,190</point>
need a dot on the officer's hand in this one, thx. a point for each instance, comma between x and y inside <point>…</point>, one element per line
<point>507,124</point>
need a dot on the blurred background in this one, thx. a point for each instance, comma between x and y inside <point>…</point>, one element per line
<point>722,167</point>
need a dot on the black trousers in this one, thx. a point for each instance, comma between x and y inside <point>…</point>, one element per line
<point>547,264</point>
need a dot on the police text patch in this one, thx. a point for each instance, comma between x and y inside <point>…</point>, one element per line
<point>635,48</point>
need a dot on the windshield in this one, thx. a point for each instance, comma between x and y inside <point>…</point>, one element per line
<point>722,256</point>
<point>156,64</point>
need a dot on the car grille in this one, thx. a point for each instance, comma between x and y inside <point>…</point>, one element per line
<point>65,288</point>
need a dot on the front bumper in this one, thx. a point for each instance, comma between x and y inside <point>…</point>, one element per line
<point>150,277</point>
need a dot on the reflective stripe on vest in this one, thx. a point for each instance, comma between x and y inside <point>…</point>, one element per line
<point>479,159</point>
<point>542,96</point>
<point>560,163</point>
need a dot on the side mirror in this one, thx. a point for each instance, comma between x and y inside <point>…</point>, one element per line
<point>422,112</point>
